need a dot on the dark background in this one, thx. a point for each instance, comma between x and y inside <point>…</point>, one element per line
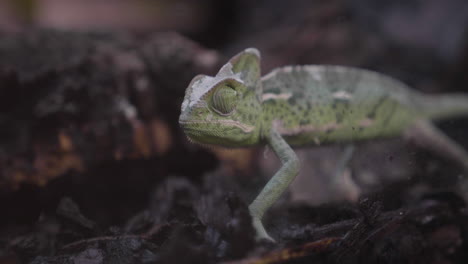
<point>94,168</point>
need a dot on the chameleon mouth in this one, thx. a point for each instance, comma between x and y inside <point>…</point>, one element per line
<point>196,130</point>
<point>202,135</point>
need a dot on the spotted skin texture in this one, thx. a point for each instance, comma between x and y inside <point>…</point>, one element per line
<point>335,104</point>
<point>307,105</point>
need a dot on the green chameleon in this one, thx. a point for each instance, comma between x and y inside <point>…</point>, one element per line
<point>307,105</point>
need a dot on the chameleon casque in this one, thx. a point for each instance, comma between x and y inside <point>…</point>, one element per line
<point>309,105</point>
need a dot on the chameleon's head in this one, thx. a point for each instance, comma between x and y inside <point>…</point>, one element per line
<point>225,109</point>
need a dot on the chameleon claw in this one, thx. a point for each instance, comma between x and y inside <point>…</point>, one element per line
<point>260,230</point>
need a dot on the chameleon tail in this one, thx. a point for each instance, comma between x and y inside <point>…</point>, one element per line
<point>444,106</point>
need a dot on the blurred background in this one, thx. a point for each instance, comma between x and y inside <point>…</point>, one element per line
<point>423,43</point>
<point>90,92</point>
<point>436,27</point>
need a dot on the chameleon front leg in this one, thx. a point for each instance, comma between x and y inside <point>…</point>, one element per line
<point>277,184</point>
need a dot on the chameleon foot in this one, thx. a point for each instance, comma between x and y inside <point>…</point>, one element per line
<point>260,230</point>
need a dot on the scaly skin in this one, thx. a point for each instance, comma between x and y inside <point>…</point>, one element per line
<point>306,105</point>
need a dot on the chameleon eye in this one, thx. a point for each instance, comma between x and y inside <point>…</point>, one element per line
<point>224,100</point>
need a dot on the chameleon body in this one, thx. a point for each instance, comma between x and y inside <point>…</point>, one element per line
<point>307,105</point>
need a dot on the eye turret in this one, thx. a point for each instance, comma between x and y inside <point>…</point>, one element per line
<point>224,100</point>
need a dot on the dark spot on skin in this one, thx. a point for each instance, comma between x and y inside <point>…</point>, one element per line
<point>371,115</point>
<point>292,100</point>
<point>275,90</point>
<point>373,111</point>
